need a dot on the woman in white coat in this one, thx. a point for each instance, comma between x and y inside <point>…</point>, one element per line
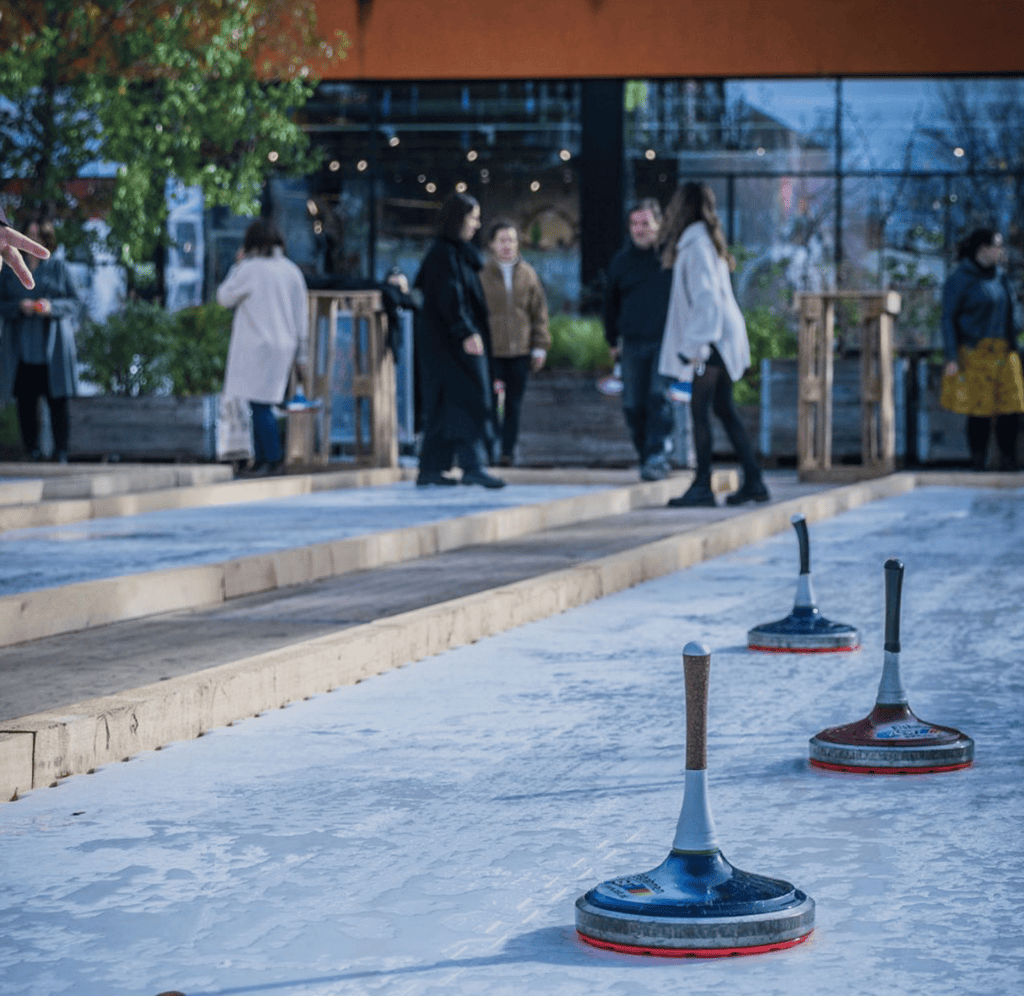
<point>706,338</point>
<point>268,333</point>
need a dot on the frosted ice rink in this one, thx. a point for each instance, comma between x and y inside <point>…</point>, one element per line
<point>428,831</point>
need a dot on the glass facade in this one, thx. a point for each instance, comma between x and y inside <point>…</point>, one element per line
<point>858,183</point>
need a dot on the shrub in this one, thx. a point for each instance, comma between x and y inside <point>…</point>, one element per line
<point>197,350</point>
<point>125,355</point>
<point>578,344</point>
<point>142,350</point>
<point>771,337</point>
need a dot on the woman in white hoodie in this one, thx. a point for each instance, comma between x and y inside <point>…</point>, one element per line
<point>706,338</point>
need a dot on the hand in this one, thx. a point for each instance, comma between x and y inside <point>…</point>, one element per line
<point>951,369</point>
<point>37,306</point>
<point>537,359</point>
<point>616,352</point>
<point>300,373</point>
<point>474,344</point>
<point>399,280</point>
<point>10,242</point>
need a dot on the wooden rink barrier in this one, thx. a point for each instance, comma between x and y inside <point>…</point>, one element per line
<point>308,439</point>
<point>816,344</point>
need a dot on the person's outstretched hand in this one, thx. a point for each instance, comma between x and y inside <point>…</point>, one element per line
<point>10,244</point>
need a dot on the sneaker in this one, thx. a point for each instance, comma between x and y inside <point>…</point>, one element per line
<point>750,491</point>
<point>425,479</point>
<point>699,495</point>
<point>482,478</point>
<point>654,469</point>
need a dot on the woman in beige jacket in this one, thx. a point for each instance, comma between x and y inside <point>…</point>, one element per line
<point>518,315</point>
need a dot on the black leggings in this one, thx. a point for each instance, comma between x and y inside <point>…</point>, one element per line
<point>978,431</point>
<point>712,391</point>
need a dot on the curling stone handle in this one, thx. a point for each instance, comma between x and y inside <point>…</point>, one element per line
<point>893,590</point>
<point>696,670</point>
<point>800,525</point>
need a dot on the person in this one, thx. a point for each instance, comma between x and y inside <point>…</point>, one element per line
<point>518,314</point>
<point>12,244</point>
<point>982,374</point>
<point>452,343</point>
<point>269,333</point>
<point>706,338</point>
<point>38,349</point>
<point>635,304</point>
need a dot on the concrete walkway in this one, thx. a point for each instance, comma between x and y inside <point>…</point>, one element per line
<point>428,829</point>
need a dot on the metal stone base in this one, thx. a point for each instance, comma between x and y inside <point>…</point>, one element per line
<point>804,630</point>
<point>695,906</point>
<point>891,740</point>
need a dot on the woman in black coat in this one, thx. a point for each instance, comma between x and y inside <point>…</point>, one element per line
<point>452,340</point>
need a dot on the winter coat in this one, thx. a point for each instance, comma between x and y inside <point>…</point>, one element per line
<point>270,328</point>
<point>39,339</point>
<point>518,321</point>
<point>455,387</point>
<point>636,298</point>
<point>702,310</point>
<point>976,304</point>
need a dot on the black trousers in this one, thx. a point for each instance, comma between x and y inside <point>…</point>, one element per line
<point>712,391</point>
<point>32,382</point>
<point>513,370</point>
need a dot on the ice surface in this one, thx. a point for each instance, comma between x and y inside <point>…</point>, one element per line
<point>104,548</point>
<point>428,831</point>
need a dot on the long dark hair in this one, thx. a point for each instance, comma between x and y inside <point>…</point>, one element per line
<point>968,247</point>
<point>692,202</point>
<point>262,237</point>
<point>453,213</point>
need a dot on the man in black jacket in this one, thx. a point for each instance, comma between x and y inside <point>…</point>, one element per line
<point>636,303</point>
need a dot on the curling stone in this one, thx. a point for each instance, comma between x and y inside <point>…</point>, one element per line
<point>891,740</point>
<point>695,904</point>
<point>805,630</point>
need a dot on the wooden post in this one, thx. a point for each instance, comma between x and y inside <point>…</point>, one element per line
<point>373,379</point>
<point>814,398</point>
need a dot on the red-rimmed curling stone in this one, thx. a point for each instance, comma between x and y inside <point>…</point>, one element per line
<point>805,630</point>
<point>891,740</point>
<point>695,904</point>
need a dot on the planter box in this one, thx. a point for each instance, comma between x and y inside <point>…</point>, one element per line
<point>208,427</point>
<point>779,409</point>
<point>567,422</point>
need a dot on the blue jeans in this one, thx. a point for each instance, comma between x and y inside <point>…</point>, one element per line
<point>647,410</point>
<point>265,435</point>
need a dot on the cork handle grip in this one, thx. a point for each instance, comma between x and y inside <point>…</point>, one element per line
<point>696,670</point>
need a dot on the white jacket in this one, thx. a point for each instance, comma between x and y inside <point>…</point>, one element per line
<point>702,310</point>
<point>270,327</point>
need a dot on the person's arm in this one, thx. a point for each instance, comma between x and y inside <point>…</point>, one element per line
<point>697,278</point>
<point>65,303</point>
<point>1011,319</point>
<point>450,301</point>
<point>612,305</point>
<point>540,335</point>
<point>235,287</point>
<point>300,319</point>
<point>952,300</point>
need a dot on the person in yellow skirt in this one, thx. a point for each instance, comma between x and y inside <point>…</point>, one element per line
<point>982,376</point>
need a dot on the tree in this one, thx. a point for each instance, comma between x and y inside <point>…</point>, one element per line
<point>188,91</point>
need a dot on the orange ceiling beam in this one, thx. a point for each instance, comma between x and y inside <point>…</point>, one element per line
<point>495,39</point>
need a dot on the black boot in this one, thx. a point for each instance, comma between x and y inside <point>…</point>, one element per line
<point>699,495</point>
<point>753,489</point>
